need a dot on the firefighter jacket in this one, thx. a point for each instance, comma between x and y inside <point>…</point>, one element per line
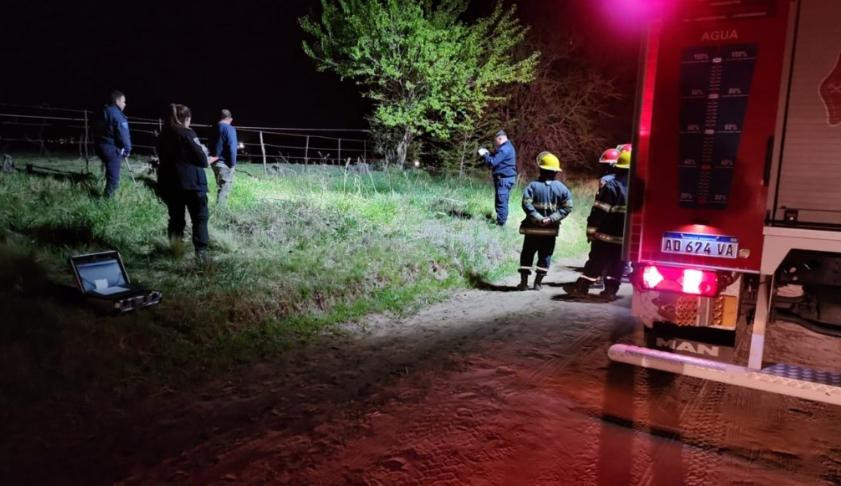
<point>113,130</point>
<point>545,199</point>
<point>503,161</point>
<point>607,218</point>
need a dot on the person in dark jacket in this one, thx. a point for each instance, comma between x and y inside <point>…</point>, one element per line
<point>181,178</point>
<point>605,229</point>
<point>113,141</point>
<point>223,155</point>
<point>546,202</point>
<point>503,164</point>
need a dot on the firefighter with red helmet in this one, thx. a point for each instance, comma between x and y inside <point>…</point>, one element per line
<point>605,228</point>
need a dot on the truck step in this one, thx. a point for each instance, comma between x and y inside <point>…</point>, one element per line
<point>789,380</point>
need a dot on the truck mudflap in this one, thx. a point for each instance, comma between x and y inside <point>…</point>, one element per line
<point>789,380</point>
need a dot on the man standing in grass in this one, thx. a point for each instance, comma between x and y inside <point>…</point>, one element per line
<point>503,164</point>
<point>113,141</point>
<point>223,156</point>
<point>546,202</point>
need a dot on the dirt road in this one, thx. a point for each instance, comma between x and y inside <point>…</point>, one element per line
<point>491,387</point>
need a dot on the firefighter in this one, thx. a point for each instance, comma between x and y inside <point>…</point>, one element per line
<point>609,157</point>
<point>605,227</point>
<point>113,140</point>
<point>503,163</point>
<point>546,202</point>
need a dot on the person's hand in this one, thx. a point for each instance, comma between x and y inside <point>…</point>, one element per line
<point>483,151</point>
<point>212,159</point>
<point>545,221</point>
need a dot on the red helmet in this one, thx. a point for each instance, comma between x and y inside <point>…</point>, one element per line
<point>609,156</point>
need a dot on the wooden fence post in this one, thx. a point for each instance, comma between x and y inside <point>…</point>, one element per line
<point>340,150</point>
<point>307,151</point>
<point>365,151</point>
<point>263,150</point>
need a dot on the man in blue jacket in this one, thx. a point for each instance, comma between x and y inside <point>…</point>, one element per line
<point>503,164</point>
<point>223,155</point>
<point>113,142</point>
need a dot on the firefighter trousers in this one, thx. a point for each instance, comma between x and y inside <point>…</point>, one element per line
<point>543,246</point>
<point>605,259</point>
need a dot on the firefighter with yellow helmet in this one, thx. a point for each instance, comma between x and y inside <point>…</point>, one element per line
<point>605,228</point>
<point>546,202</point>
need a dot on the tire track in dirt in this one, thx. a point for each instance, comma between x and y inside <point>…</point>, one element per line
<point>490,388</point>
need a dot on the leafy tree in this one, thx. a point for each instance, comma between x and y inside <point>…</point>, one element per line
<point>564,109</point>
<point>427,71</point>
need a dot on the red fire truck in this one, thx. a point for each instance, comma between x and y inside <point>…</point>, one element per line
<point>734,216</point>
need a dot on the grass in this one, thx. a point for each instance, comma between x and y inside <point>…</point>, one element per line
<point>294,253</point>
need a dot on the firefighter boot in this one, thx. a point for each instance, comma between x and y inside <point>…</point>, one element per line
<point>524,281</point>
<point>579,288</point>
<point>538,281</point>
<point>611,287</point>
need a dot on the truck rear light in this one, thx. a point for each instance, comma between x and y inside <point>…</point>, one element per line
<point>684,280</point>
<point>651,277</point>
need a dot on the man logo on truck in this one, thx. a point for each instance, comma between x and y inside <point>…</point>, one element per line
<point>687,347</point>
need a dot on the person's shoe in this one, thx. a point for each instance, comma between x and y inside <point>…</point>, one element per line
<point>538,281</point>
<point>177,247</point>
<point>203,257</point>
<point>611,288</point>
<point>524,281</point>
<point>579,288</point>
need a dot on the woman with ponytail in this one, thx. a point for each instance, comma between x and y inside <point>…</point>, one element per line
<point>181,178</point>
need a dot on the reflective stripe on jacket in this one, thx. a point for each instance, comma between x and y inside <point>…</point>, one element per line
<point>607,218</point>
<point>545,199</point>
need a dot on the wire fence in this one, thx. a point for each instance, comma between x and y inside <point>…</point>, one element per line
<point>51,130</point>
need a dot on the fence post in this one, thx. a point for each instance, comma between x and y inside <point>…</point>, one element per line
<point>340,150</point>
<point>84,152</point>
<point>263,150</point>
<point>307,151</point>
<point>365,151</point>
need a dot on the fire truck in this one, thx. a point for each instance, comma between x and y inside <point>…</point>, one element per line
<point>734,210</point>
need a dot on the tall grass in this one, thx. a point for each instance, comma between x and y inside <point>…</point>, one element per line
<point>294,252</point>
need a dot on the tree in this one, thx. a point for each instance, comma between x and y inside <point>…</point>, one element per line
<point>427,71</point>
<point>563,109</point>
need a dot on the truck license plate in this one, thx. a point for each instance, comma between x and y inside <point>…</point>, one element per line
<point>715,246</point>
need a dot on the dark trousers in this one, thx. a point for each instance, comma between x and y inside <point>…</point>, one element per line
<point>111,160</point>
<point>502,188</point>
<point>543,246</point>
<point>604,259</point>
<point>196,204</point>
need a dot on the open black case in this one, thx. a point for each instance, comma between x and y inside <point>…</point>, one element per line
<point>104,282</point>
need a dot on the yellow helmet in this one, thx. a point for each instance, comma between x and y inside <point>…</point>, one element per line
<point>624,161</point>
<point>547,161</point>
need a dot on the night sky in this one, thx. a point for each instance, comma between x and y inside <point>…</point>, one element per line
<point>245,56</point>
